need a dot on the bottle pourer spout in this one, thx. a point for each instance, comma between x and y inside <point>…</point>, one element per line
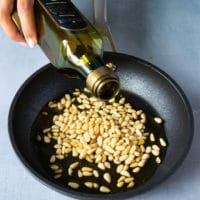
<point>103,83</point>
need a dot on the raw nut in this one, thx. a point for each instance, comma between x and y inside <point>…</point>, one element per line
<point>107,177</point>
<point>73,185</point>
<point>101,133</point>
<point>158,120</point>
<point>104,189</point>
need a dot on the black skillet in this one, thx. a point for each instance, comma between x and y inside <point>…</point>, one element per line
<point>144,85</point>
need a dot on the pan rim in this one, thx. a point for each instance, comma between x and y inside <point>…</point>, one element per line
<point>77,194</point>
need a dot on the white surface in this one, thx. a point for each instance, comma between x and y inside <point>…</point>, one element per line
<point>166,33</point>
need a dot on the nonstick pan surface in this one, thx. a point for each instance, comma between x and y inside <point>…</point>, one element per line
<point>144,85</point>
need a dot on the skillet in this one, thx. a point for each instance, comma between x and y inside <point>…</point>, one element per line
<point>146,86</point>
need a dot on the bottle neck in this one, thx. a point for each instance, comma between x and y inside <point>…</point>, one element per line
<point>89,64</point>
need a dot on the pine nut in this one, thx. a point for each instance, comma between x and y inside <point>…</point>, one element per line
<point>142,163</point>
<point>137,154</point>
<point>121,179</point>
<point>101,133</point>
<point>120,148</point>
<point>98,159</point>
<point>47,139</point>
<point>57,176</point>
<point>101,166</point>
<point>95,185</point>
<point>39,138</point>
<point>107,165</point>
<point>162,142</point>
<point>58,171</point>
<point>58,151</point>
<point>80,174</point>
<point>136,170</point>
<point>107,177</point>
<point>145,156</point>
<point>74,165</point>
<point>134,164</point>
<point>68,150</point>
<point>158,120</point>
<point>85,173</point>
<point>100,141</point>
<point>148,149</point>
<point>45,113</point>
<point>143,118</point>
<point>120,184</point>
<point>60,157</point>
<point>155,147</point>
<point>123,157</point>
<point>155,152</point>
<point>86,169</point>
<point>128,180</point>
<point>122,100</point>
<point>52,159</point>
<point>141,142</point>
<point>119,168</point>
<point>59,140</point>
<point>73,185</point>
<point>158,160</point>
<point>87,137</point>
<point>104,189</point>
<point>88,184</point>
<point>125,173</point>
<point>132,150</point>
<point>109,149</point>
<point>129,159</point>
<point>152,137</point>
<point>139,112</point>
<point>96,173</point>
<point>83,154</point>
<point>70,171</point>
<point>54,167</point>
<point>130,185</point>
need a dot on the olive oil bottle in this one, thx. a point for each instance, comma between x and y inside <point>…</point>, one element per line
<point>70,41</point>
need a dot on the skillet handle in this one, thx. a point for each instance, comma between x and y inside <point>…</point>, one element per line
<point>100,21</point>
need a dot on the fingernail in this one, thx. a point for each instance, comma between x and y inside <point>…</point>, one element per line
<point>30,42</point>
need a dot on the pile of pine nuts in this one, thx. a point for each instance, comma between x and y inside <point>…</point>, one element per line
<point>106,134</point>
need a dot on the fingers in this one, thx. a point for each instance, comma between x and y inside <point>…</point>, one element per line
<point>6,8</point>
<point>25,10</point>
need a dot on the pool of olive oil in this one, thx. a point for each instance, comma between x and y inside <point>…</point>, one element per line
<point>44,152</point>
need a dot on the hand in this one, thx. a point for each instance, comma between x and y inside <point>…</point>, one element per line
<point>26,14</point>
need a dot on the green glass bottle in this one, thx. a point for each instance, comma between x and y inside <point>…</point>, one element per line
<point>70,41</point>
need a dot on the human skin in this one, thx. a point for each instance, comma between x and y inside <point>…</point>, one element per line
<point>26,15</point>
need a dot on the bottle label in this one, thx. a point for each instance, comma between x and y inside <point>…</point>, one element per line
<point>64,14</point>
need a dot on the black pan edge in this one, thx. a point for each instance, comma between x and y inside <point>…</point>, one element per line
<point>93,196</point>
